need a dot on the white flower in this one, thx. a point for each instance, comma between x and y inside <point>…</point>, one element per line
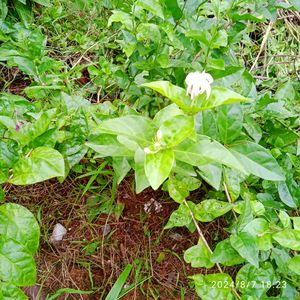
<point>159,135</point>
<point>198,83</point>
<point>147,150</point>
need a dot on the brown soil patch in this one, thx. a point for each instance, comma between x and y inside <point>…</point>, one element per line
<point>136,237</point>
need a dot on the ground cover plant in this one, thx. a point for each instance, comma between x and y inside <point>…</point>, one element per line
<point>164,136</point>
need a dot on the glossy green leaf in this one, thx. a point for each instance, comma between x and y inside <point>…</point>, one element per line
<point>43,163</point>
<point>198,256</point>
<point>255,281</point>
<point>230,122</point>
<point>288,238</point>
<point>117,287</point>
<point>257,160</point>
<point>141,180</point>
<point>174,8</point>
<point>17,266</point>
<point>176,130</point>
<point>122,17</point>
<point>213,286</point>
<point>226,255</point>
<point>205,151</point>
<point>18,223</point>
<point>177,190</point>
<point>33,130</point>
<point>158,166</point>
<point>121,167</point>
<point>137,128</point>
<point>218,96</point>
<point>211,209</point>
<point>260,231</point>
<point>289,192</point>
<point>244,244</point>
<point>294,264</point>
<point>8,153</point>
<point>253,128</point>
<point>152,6</point>
<point>181,216</point>
<point>9,291</point>
<point>212,174</point>
<point>108,145</point>
<point>167,113</point>
<point>233,180</point>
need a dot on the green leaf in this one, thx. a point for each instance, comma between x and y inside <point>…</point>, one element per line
<point>141,180</point>
<point>148,31</point>
<point>226,255</point>
<point>46,3</point>
<point>181,216</point>
<point>259,229</point>
<point>25,12</point>
<point>177,190</point>
<point>230,122</point>
<point>219,40</point>
<point>205,151</point>
<point>17,266</point>
<point>117,287</point>
<point>152,6</point>
<point>176,130</point>
<point>218,96</point>
<point>158,166</point>
<point>121,167</point>
<point>284,219</point>
<point>233,180</point>
<point>288,238</point>
<point>137,128</point>
<point>257,160</point>
<point>296,222</point>
<point>108,145</point>
<point>253,128</point>
<point>8,153</point>
<point>62,291</point>
<point>207,124</point>
<point>167,113</point>
<point>246,215</point>
<point>18,223</point>
<point>244,244</point>
<point>212,174</point>
<point>198,256</point>
<point>289,192</point>
<point>43,163</point>
<point>34,130</point>
<point>174,8</point>
<point>294,264</point>
<point>213,286</point>
<point>253,281</point>
<point>11,292</point>
<point>211,209</point>
<point>122,17</point>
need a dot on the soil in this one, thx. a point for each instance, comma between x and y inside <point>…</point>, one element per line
<point>136,237</point>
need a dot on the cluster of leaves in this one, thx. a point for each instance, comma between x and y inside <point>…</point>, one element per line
<point>242,141</point>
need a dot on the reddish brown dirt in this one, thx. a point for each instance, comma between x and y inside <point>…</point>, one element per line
<point>136,237</point>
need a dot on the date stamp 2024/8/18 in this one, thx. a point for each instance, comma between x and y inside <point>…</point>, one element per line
<point>248,284</point>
